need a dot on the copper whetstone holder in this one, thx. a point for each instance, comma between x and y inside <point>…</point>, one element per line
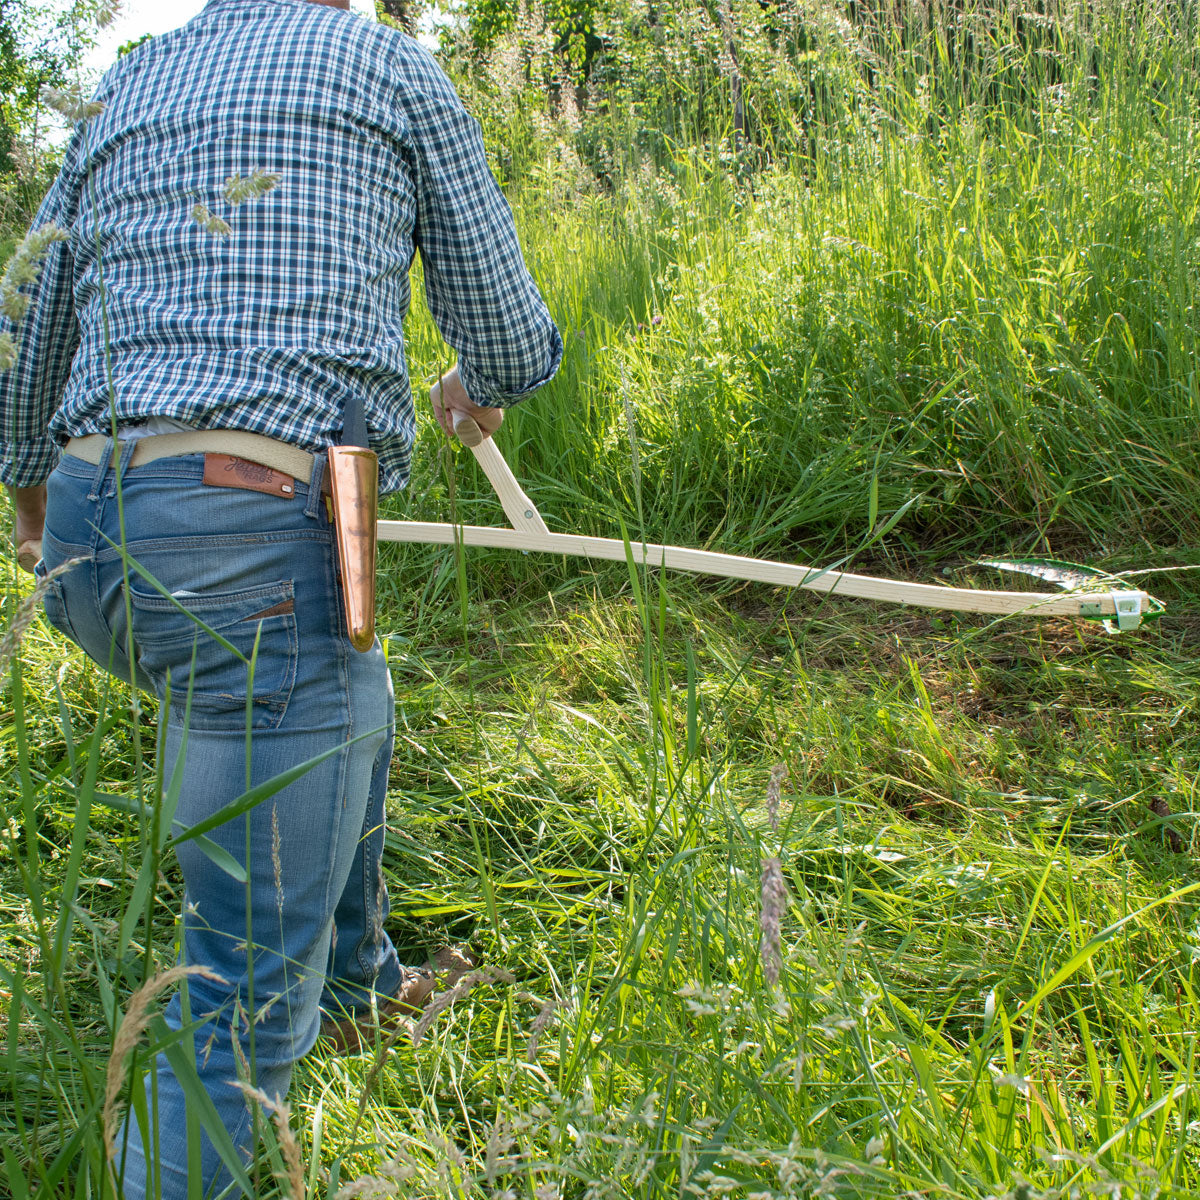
<point>354,483</point>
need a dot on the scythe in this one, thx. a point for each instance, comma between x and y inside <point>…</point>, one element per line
<point>1118,607</point>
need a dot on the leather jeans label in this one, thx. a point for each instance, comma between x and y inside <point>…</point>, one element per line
<point>224,470</point>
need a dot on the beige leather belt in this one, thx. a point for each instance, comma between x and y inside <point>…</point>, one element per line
<point>253,447</point>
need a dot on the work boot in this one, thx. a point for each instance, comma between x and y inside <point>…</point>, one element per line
<point>353,1033</point>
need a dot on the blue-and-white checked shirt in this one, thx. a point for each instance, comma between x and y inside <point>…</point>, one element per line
<point>272,328</point>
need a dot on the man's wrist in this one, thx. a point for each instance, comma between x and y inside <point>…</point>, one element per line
<point>30,502</point>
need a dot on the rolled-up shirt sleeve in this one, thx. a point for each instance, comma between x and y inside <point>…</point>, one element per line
<point>479,291</point>
<point>46,339</point>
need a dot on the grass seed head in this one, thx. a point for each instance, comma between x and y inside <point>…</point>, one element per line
<point>71,103</point>
<point>129,1033</point>
<point>498,1160</point>
<point>240,188</point>
<point>239,1021</point>
<point>24,268</point>
<point>292,1174</point>
<point>774,787</point>
<point>210,222</point>
<point>108,12</point>
<point>367,1187</point>
<point>277,859</point>
<point>28,611</point>
<point>462,988</point>
<point>539,1025</point>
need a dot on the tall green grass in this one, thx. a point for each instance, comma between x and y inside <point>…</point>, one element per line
<point>988,306</point>
<point>951,261</point>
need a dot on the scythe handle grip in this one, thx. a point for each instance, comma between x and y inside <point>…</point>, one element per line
<point>27,555</point>
<point>467,431</point>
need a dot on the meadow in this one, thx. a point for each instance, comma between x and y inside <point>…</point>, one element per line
<point>775,895</point>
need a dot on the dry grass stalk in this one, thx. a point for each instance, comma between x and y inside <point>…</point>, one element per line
<point>462,988</point>
<point>539,1025</point>
<point>773,900</point>
<point>27,612</point>
<point>240,1018</point>
<point>281,1117</point>
<point>133,1024</point>
<point>779,773</point>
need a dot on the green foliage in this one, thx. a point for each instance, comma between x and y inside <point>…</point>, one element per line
<point>995,315</point>
<point>399,14</point>
<point>41,45</point>
<point>131,45</point>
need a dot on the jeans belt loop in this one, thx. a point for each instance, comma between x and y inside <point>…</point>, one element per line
<point>316,500</point>
<point>127,450</point>
<point>101,470</point>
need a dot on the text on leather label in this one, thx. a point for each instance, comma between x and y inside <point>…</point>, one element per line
<point>224,470</point>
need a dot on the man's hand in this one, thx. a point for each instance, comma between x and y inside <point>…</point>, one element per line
<point>30,505</point>
<point>450,401</point>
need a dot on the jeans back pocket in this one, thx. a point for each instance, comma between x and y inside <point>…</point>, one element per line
<point>220,646</point>
<point>55,607</point>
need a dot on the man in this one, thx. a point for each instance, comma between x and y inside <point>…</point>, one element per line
<point>179,316</point>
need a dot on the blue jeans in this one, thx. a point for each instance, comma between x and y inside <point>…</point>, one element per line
<point>306,931</point>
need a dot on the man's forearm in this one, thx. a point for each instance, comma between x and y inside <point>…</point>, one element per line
<point>29,504</point>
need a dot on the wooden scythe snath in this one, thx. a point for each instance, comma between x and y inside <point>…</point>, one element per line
<point>1119,608</point>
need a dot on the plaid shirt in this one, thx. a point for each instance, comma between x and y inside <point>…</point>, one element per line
<point>273,327</point>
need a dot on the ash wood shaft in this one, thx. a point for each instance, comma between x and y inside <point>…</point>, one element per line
<point>732,566</point>
<point>518,507</point>
<point>27,555</point>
